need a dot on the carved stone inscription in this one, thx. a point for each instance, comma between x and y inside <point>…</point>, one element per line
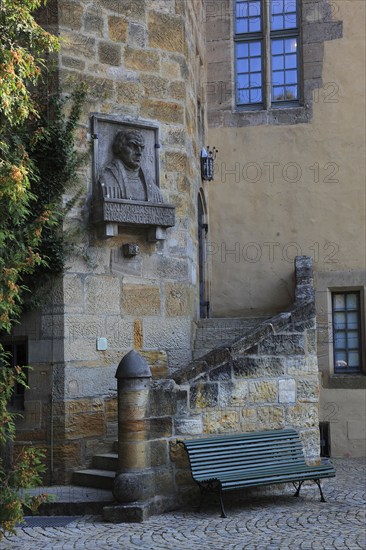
<point>141,214</point>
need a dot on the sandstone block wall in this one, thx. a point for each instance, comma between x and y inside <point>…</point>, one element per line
<point>144,60</point>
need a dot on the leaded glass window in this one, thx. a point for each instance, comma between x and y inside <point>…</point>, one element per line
<point>346,319</point>
<point>266,53</point>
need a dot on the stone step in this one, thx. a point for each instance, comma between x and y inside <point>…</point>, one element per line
<point>106,461</point>
<point>93,477</point>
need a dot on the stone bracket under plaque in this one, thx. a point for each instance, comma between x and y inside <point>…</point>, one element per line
<point>112,213</point>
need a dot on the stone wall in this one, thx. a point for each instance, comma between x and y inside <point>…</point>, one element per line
<point>142,60</point>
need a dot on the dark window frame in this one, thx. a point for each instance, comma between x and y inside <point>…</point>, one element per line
<point>339,370</point>
<point>17,401</point>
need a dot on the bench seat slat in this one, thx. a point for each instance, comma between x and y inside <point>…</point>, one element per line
<point>237,466</point>
<point>269,472</point>
<point>238,455</point>
<point>246,447</point>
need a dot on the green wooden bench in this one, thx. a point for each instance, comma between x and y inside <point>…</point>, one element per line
<point>236,461</point>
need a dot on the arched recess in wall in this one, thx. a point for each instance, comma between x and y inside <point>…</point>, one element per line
<point>203,271</point>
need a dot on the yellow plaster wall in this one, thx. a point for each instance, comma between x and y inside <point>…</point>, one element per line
<point>324,219</point>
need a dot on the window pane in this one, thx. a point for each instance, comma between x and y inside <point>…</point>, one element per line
<point>243,65</point>
<point>242,26</point>
<point>277,6</point>
<point>255,9</point>
<point>277,47</point>
<point>256,95</point>
<point>353,340</point>
<point>290,45</point>
<point>249,72</point>
<point>340,340</point>
<point>354,359</point>
<point>242,96</point>
<point>291,93</point>
<point>290,61</point>
<point>352,320</point>
<point>277,22</point>
<point>290,21</point>
<point>278,93</point>
<point>278,62</point>
<point>248,16</point>
<point>347,342</point>
<point>278,78</point>
<point>352,301</point>
<point>339,301</point>
<point>283,14</point>
<point>340,360</point>
<point>290,14</point>
<point>254,24</point>
<point>241,9</point>
<point>291,77</point>
<point>339,320</point>
<point>255,64</point>
<point>242,50</point>
<point>243,80</point>
<point>256,80</point>
<point>255,49</point>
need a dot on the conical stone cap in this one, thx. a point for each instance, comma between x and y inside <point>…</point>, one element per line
<point>133,365</point>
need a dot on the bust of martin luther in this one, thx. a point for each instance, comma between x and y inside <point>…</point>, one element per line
<point>123,177</point>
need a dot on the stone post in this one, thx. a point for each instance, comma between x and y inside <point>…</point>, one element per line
<point>134,482</point>
<point>304,282</point>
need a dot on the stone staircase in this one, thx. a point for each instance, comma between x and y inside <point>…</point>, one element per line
<point>216,332</point>
<point>102,471</point>
<point>210,334</point>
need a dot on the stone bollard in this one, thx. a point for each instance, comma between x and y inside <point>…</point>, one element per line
<point>134,483</point>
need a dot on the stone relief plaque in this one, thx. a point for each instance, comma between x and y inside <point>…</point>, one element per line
<point>126,177</point>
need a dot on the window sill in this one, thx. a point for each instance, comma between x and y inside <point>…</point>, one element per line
<point>344,381</point>
<point>285,114</point>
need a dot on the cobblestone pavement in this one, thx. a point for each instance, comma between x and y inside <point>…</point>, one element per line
<point>263,523</point>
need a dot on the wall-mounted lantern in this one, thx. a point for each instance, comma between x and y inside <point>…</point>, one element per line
<point>207,163</point>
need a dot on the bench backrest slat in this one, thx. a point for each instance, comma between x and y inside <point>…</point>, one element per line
<point>245,452</point>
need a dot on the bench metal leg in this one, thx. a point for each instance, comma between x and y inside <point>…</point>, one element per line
<point>317,481</point>
<point>223,515</point>
<point>298,489</point>
<point>213,486</point>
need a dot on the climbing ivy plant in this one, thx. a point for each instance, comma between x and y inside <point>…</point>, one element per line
<point>37,162</point>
